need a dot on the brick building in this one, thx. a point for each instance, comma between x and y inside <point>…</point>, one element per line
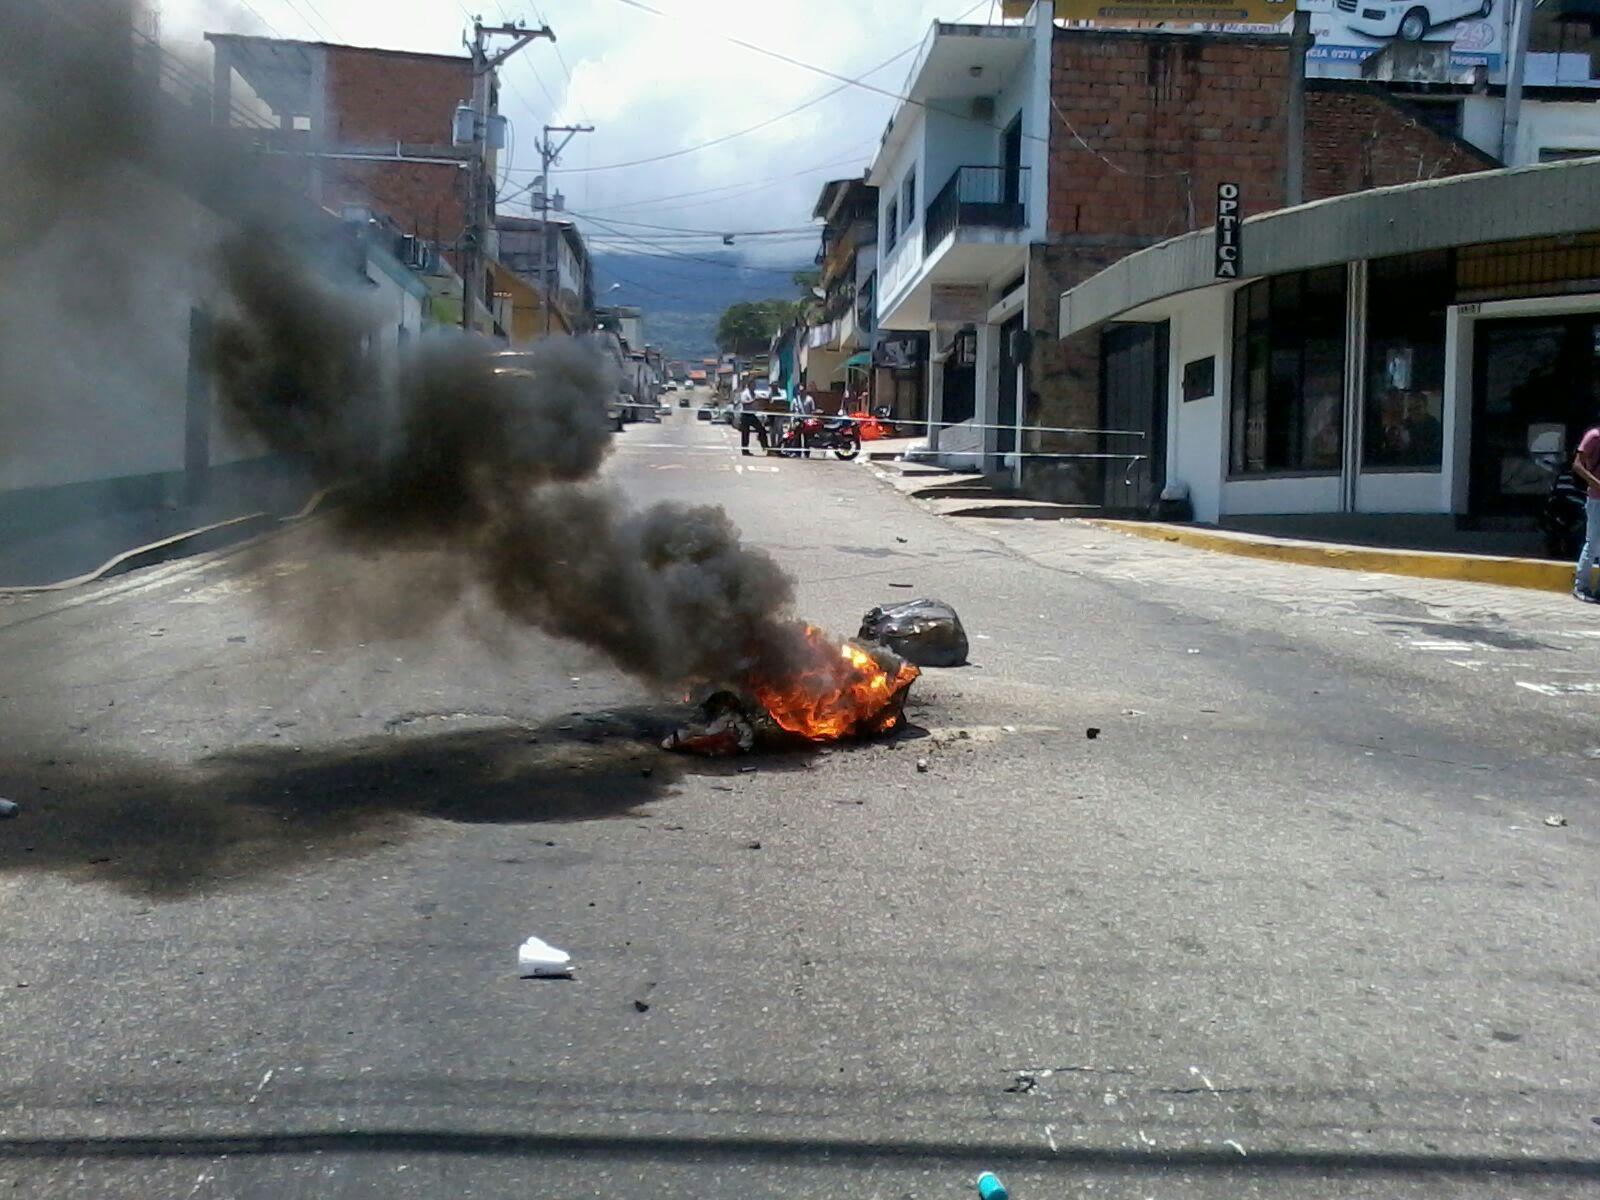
<point>1029,156</point>
<point>371,127</point>
<point>1146,125</point>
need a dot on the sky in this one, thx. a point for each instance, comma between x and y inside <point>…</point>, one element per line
<point>652,85</point>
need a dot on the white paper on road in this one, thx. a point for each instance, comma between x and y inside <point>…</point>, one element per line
<point>537,957</point>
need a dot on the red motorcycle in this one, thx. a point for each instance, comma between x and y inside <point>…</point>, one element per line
<point>839,434</point>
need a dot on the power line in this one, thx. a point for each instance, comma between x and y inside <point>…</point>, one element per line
<point>252,8</point>
<point>715,262</point>
<point>845,79</point>
<point>743,187</point>
<point>728,137</point>
<point>707,232</point>
<point>319,28</point>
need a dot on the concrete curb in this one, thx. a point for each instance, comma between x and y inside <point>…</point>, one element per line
<point>217,536</point>
<point>1537,573</point>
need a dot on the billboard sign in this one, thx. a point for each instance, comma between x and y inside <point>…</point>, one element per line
<point>900,350</point>
<point>1347,31</point>
<point>1182,12</point>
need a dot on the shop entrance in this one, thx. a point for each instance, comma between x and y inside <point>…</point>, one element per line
<point>1536,388</point>
<point>1133,396</point>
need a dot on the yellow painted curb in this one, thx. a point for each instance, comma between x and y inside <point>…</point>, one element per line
<point>1538,573</point>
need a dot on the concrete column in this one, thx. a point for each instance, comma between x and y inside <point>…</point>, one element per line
<point>935,373</point>
<point>319,121</point>
<point>987,383</point>
<point>222,87</point>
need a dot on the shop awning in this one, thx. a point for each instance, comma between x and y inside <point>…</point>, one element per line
<point>863,359</point>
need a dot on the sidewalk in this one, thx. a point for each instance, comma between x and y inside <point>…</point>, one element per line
<point>955,494</point>
<point>111,543</point>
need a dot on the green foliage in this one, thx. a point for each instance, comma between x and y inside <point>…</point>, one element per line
<point>747,327</point>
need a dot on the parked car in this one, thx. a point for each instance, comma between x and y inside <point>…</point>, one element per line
<point>705,414</point>
<point>1409,20</point>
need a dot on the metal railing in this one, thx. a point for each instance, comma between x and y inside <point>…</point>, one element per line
<point>982,197</point>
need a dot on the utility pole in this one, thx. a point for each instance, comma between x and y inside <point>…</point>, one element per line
<point>1522,22</point>
<point>549,155</point>
<point>484,65</point>
<point>1294,160</point>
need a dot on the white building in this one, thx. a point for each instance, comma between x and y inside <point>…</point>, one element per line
<point>962,179</point>
<point>1416,358</point>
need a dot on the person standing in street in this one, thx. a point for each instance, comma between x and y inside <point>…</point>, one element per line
<point>748,421</point>
<point>1586,467</point>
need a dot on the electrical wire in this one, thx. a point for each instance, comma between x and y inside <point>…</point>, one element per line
<point>715,262</point>
<point>728,137</point>
<point>252,8</point>
<point>319,28</point>
<point>742,188</point>
<point>810,229</point>
<point>845,79</point>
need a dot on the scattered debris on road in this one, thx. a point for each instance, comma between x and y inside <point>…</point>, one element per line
<point>725,731</point>
<point>1092,732</point>
<point>990,1187</point>
<point>1555,820</point>
<point>926,632</point>
<point>922,766</point>
<point>9,808</point>
<point>1023,1084</point>
<point>538,959</point>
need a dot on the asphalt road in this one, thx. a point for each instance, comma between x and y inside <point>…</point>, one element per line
<point>1292,924</point>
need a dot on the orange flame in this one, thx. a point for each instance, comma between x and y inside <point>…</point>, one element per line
<point>842,691</point>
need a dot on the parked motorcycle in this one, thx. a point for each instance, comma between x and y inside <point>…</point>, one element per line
<point>1561,520</point>
<point>821,433</point>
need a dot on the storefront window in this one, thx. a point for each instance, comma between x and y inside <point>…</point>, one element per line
<point>1403,426</point>
<point>1288,374</point>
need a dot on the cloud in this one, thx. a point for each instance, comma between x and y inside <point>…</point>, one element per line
<point>651,85</point>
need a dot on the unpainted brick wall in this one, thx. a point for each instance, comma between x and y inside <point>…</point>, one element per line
<point>1168,118</point>
<point>382,98</point>
<point>1359,137</point>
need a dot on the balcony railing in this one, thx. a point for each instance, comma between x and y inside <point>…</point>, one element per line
<point>978,197</point>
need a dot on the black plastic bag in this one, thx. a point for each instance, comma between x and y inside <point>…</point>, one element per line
<point>927,632</point>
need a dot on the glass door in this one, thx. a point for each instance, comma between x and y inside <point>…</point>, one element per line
<point>1534,393</point>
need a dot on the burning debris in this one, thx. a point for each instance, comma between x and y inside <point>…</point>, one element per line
<point>835,691</point>
<point>727,729</point>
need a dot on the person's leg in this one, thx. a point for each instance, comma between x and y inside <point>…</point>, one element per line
<point>744,432</point>
<point>1590,556</point>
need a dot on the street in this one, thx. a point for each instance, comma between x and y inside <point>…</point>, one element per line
<point>1313,914</point>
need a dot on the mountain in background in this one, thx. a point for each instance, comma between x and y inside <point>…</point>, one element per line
<point>682,297</point>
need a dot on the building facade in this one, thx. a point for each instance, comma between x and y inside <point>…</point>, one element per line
<point>1422,356</point>
<point>962,179</point>
<point>836,356</point>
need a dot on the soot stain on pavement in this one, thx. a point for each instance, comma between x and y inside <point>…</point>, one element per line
<point>169,831</point>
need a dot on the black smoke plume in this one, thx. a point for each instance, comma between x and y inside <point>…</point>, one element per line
<point>494,465</point>
<point>491,469</point>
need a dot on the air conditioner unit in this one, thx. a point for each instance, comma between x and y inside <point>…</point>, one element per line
<point>983,108</point>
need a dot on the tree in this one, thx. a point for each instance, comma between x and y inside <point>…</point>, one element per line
<point>747,327</point>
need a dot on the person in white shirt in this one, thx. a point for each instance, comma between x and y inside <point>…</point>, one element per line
<point>744,408</point>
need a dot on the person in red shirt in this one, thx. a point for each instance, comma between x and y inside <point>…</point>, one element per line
<point>1586,466</point>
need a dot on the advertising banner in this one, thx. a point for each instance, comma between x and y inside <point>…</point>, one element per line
<point>1347,31</point>
<point>900,350</point>
<point>1203,12</point>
